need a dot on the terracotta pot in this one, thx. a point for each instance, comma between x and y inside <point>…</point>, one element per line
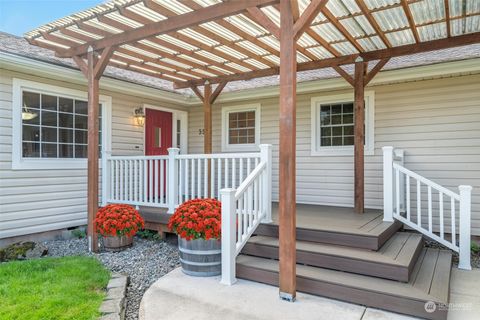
<point>199,257</point>
<point>117,243</point>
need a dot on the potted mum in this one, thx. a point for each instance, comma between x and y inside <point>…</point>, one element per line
<point>198,225</point>
<point>118,223</point>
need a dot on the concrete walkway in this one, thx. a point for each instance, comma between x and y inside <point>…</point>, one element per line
<point>177,296</point>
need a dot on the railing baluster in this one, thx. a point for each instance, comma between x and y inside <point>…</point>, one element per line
<point>163,179</point>
<point>419,204</point>
<point>205,178</point>
<point>112,179</point>
<point>199,178</point>
<point>212,180</point>
<point>240,179</point>
<point>219,175</point>
<point>187,197</point>
<point>226,174</point>
<point>430,218</point>
<point>156,175</point>
<point>234,162</point>
<point>440,209</point>
<point>249,160</point>
<point>135,180</point>
<point>397,191</point>
<point>193,179</point>
<point>452,219</point>
<point>130,180</point>
<point>150,180</point>
<point>240,218</point>
<point>408,196</point>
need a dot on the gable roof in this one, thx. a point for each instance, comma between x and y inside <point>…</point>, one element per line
<point>19,46</point>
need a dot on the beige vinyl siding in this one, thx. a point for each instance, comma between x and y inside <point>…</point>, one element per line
<point>436,122</point>
<point>42,200</point>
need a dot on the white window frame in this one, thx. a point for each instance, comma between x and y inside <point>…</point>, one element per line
<point>227,147</point>
<point>176,115</point>
<point>317,150</point>
<point>20,163</point>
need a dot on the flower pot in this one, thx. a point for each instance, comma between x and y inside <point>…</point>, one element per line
<point>117,243</point>
<point>199,257</point>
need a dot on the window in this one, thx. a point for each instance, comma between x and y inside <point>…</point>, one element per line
<point>241,128</point>
<point>333,124</point>
<point>54,126</point>
<point>50,126</point>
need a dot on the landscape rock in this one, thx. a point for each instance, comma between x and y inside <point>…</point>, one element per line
<point>22,251</point>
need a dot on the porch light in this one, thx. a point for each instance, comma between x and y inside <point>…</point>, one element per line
<point>139,116</point>
<point>27,114</point>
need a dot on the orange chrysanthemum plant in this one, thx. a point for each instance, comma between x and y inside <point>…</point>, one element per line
<point>118,220</point>
<point>197,219</point>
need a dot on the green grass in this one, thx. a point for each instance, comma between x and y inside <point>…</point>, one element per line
<point>52,288</point>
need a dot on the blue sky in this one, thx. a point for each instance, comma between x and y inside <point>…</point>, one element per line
<point>20,16</point>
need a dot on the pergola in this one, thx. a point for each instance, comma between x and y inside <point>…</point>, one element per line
<point>200,43</point>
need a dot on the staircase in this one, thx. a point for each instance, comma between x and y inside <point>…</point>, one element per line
<point>388,269</point>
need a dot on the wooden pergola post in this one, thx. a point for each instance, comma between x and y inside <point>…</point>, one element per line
<point>359,136</point>
<point>93,70</point>
<point>287,174</point>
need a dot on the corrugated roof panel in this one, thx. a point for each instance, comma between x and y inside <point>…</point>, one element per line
<point>52,43</point>
<point>118,17</point>
<point>391,19</point>
<point>177,42</point>
<point>427,11</point>
<point>432,31</point>
<point>472,24</point>
<point>117,61</point>
<point>256,63</point>
<point>252,47</point>
<point>127,56</point>
<point>220,69</point>
<point>140,51</point>
<point>236,66</point>
<point>473,6</point>
<point>356,29</point>
<point>176,63</point>
<point>376,4</point>
<point>211,56</point>
<point>61,35</point>
<point>328,32</point>
<point>199,37</point>
<point>302,5</point>
<point>342,8</point>
<point>232,52</point>
<point>345,48</point>
<point>320,52</point>
<point>140,9</point>
<point>399,38</point>
<point>221,31</point>
<point>156,46</point>
<point>365,25</point>
<point>247,25</point>
<point>371,43</point>
<point>306,41</point>
<point>85,33</point>
<point>273,14</point>
<point>100,25</point>
<point>271,41</point>
<point>174,6</point>
<point>187,57</point>
<point>302,58</point>
<point>274,59</point>
<point>153,64</point>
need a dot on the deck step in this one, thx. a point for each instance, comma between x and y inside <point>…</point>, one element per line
<point>430,281</point>
<point>370,236</point>
<point>395,260</point>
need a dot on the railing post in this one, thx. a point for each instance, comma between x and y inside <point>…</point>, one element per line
<point>266,156</point>
<point>106,172</point>
<point>229,239</point>
<point>172,186</point>
<point>387,184</point>
<point>465,237</point>
<point>399,157</point>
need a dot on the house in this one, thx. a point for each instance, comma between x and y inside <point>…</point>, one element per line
<point>195,145</point>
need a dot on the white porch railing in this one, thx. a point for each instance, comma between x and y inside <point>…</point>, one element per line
<point>167,181</point>
<point>242,211</point>
<point>401,187</point>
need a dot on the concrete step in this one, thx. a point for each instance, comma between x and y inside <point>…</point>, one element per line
<point>395,259</point>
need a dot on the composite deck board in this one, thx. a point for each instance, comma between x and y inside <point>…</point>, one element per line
<point>370,291</point>
<point>383,263</point>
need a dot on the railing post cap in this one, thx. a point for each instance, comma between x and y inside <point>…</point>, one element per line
<point>173,150</point>
<point>265,145</point>
<point>387,148</point>
<point>464,188</point>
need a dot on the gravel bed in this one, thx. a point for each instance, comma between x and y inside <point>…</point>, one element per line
<point>474,258</point>
<point>144,262</point>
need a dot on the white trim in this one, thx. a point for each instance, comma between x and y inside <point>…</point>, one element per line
<point>176,115</point>
<point>20,163</point>
<point>226,147</point>
<point>342,150</point>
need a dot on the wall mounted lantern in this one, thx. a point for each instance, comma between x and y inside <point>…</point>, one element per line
<point>139,116</point>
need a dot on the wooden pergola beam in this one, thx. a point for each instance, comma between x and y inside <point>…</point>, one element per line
<point>287,155</point>
<point>411,21</point>
<point>366,56</point>
<point>447,18</point>
<point>344,75</point>
<point>258,16</point>
<point>361,4</point>
<point>175,23</point>
<point>333,20</point>
<point>310,13</point>
<point>380,64</point>
<point>217,91</point>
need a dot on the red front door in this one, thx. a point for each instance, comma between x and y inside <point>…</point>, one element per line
<point>158,132</point>
<point>158,138</point>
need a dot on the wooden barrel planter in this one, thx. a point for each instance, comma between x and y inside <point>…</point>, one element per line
<point>118,243</point>
<point>199,257</point>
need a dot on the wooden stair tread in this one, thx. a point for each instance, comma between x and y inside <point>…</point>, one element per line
<point>398,250</point>
<point>408,298</point>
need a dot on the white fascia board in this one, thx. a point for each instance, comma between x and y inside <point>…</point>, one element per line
<point>35,67</point>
